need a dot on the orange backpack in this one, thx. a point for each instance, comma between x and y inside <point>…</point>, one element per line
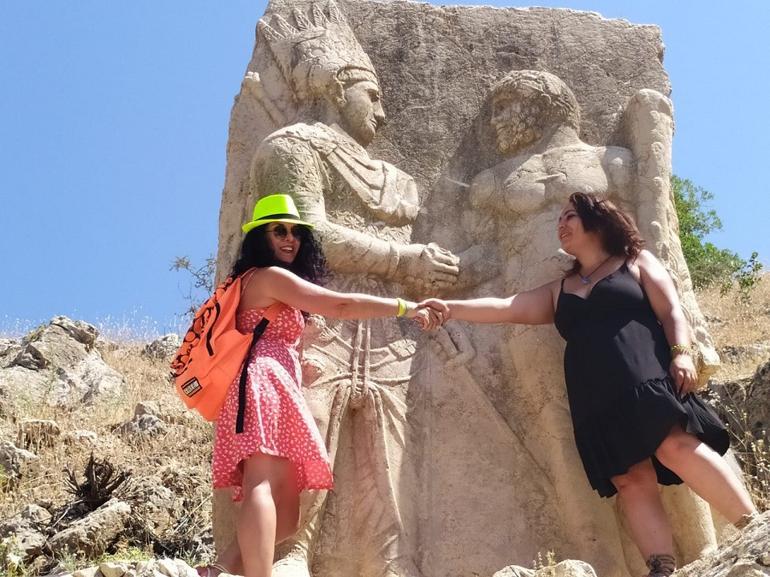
<point>214,351</point>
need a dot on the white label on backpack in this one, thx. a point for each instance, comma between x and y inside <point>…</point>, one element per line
<point>191,387</point>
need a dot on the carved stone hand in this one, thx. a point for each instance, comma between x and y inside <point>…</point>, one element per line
<point>428,266</point>
<point>455,346</point>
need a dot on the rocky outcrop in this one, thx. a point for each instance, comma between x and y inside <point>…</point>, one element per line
<point>747,554</point>
<point>24,533</point>
<point>752,395</point>
<point>163,347</point>
<point>38,433</point>
<point>147,420</point>
<point>568,568</point>
<point>56,364</point>
<point>93,534</point>
<point>751,352</point>
<point>14,460</point>
<point>149,568</point>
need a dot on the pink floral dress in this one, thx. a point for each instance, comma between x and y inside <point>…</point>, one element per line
<point>278,421</point>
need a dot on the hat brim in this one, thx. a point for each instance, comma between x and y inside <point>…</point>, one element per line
<point>255,223</point>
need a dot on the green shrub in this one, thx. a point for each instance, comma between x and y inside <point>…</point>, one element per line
<point>708,264</point>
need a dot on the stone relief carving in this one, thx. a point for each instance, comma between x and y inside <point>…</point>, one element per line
<point>457,457</point>
<point>536,120</point>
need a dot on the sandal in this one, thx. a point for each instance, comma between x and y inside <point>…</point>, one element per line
<point>661,565</point>
<point>211,570</point>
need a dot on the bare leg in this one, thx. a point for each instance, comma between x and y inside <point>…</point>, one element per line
<point>288,508</point>
<point>640,502</point>
<point>263,477</point>
<point>706,473</point>
<point>287,523</point>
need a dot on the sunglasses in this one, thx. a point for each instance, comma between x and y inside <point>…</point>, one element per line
<point>282,231</point>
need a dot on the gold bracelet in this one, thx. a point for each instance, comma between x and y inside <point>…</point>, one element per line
<point>401,307</point>
<point>681,350</point>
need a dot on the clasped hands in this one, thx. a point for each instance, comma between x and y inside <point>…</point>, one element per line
<point>430,314</point>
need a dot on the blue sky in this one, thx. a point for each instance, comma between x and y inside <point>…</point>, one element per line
<point>114,127</point>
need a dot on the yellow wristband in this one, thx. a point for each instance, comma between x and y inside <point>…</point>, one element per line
<point>401,307</point>
<point>680,350</point>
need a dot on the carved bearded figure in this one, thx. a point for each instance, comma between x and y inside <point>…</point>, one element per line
<point>536,119</point>
<point>358,372</point>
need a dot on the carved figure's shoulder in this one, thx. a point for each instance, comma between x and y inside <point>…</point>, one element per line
<point>482,187</point>
<point>317,136</point>
<point>300,131</point>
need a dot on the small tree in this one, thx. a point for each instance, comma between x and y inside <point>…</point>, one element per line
<point>708,264</point>
<point>202,281</point>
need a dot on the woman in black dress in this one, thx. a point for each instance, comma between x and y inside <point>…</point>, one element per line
<point>629,372</point>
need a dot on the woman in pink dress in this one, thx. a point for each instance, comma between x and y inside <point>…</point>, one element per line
<point>280,451</point>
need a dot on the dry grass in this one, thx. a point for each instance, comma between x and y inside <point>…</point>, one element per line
<point>184,450</point>
<point>739,323</point>
<point>740,326</point>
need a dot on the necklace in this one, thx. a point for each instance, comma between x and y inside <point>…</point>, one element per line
<point>586,279</point>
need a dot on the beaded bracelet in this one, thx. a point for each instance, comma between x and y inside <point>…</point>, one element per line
<point>401,307</point>
<point>681,350</point>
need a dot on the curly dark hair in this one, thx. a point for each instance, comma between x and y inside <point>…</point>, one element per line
<point>310,263</point>
<point>616,229</point>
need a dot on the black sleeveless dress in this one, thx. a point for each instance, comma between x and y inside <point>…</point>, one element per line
<point>622,399</point>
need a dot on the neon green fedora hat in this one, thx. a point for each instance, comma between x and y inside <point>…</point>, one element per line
<point>274,208</point>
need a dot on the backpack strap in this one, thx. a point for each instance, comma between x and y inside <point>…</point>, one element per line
<point>246,277</point>
<point>268,316</point>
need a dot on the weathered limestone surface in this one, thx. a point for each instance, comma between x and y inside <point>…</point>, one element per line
<point>743,554</point>
<point>453,454</point>
<point>56,364</point>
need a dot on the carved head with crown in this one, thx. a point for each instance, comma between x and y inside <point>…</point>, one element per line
<point>327,69</point>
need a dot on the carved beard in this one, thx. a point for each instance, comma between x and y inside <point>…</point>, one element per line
<point>520,131</point>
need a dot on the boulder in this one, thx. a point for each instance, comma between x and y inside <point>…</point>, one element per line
<point>82,437</point>
<point>24,532</point>
<point>9,348</point>
<point>569,568</point>
<point>163,348</point>
<point>515,571</point>
<point>745,403</point>
<point>14,460</point>
<point>149,568</point>
<point>155,507</point>
<point>113,569</point>
<point>146,425</point>
<point>167,567</point>
<point>737,353</point>
<point>746,554</point>
<point>38,433</point>
<point>58,364</point>
<point>92,534</point>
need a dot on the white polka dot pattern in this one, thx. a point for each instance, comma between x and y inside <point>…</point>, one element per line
<point>278,421</point>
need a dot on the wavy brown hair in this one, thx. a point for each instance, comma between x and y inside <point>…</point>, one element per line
<point>616,229</point>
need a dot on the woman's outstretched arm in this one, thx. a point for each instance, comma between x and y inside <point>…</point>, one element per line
<point>533,307</point>
<point>275,284</point>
